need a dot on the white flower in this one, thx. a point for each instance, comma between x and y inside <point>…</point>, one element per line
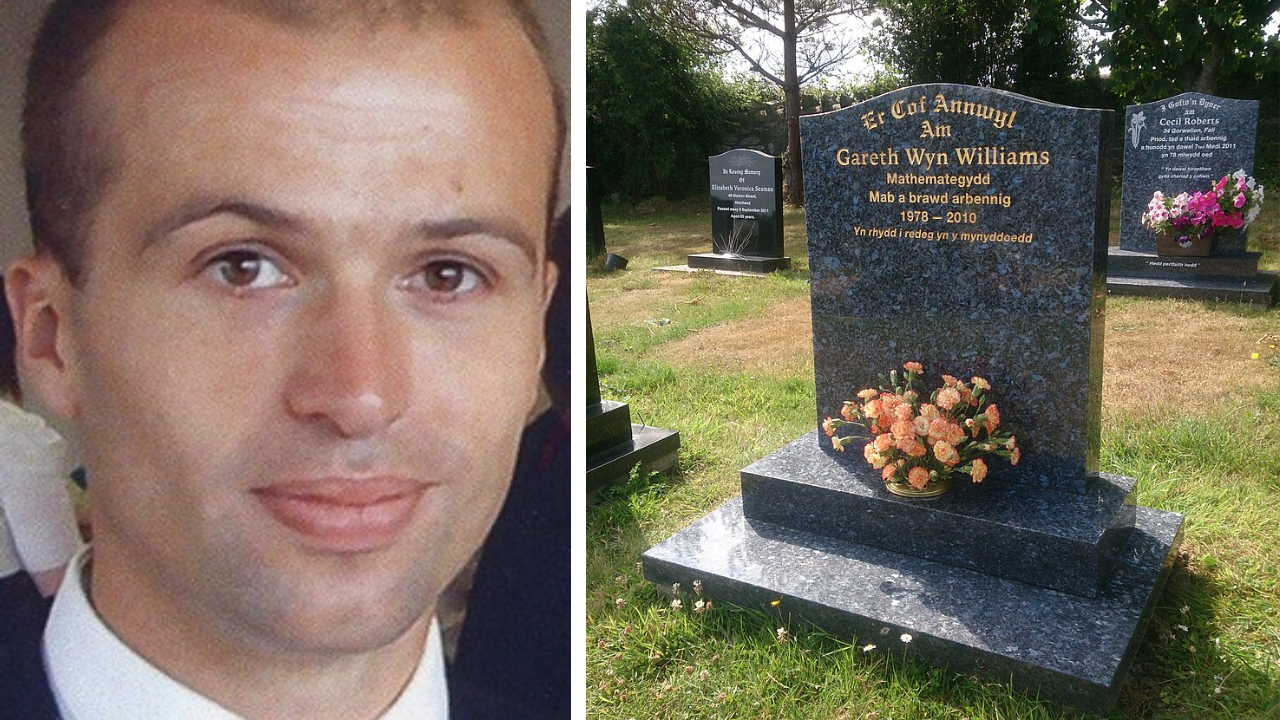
<point>697,586</point>
<point>782,634</point>
<point>868,648</point>
<point>676,604</point>
<point>906,637</point>
<point>1183,628</point>
<point>620,603</point>
<point>675,588</point>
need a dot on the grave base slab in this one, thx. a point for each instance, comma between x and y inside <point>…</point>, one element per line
<point>1260,289</point>
<point>1067,649</point>
<point>739,263</point>
<point>654,449</point>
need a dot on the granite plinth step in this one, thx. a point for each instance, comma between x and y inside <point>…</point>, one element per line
<point>1067,649</point>
<point>1260,289</point>
<point>654,449</point>
<point>739,263</point>
<point>608,425</point>
<point>1058,540</point>
<point>1240,266</point>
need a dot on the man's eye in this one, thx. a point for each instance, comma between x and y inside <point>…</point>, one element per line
<point>246,269</point>
<point>449,277</point>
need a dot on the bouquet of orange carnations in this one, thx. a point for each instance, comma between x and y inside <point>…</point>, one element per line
<point>919,445</point>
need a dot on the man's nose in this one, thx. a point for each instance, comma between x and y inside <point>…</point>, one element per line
<point>351,365</point>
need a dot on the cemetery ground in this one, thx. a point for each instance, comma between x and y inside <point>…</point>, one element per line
<point>1191,408</point>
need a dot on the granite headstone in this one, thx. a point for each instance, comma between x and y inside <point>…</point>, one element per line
<point>746,213</point>
<point>746,205</point>
<point>1185,144</point>
<point>1182,144</point>
<point>966,229</point>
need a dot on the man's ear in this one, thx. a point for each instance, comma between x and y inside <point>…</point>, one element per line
<point>39,295</point>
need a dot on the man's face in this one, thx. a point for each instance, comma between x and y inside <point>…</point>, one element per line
<point>311,326</point>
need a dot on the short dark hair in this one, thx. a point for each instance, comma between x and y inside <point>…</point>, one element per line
<point>65,156</point>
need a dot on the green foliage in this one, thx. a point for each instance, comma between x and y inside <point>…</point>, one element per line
<point>1159,48</point>
<point>655,107</point>
<point>1028,47</point>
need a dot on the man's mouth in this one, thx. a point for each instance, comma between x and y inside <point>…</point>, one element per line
<point>344,515</point>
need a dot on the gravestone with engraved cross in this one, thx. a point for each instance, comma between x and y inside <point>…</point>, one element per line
<point>966,229</point>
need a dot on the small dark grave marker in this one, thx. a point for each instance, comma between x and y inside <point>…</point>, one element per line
<point>746,213</point>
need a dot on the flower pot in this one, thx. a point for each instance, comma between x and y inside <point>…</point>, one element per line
<point>1189,244</point>
<point>933,489</point>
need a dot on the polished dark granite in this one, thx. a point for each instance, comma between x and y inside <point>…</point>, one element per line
<point>1229,277</point>
<point>738,263</point>
<point>1182,144</point>
<point>1067,649</point>
<point>746,203</point>
<point>653,449</point>
<point>1028,316</point>
<point>1057,540</point>
<point>1262,289</point>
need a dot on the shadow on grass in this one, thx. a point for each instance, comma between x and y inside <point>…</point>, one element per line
<point>1182,671</point>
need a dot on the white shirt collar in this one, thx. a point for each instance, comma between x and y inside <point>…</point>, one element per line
<point>95,676</point>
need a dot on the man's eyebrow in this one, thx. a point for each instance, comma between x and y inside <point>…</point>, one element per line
<point>498,227</point>
<point>197,210</point>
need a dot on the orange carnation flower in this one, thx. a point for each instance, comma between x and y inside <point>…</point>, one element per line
<point>883,442</point>
<point>903,412</point>
<point>888,472</point>
<point>981,383</point>
<point>929,412</point>
<point>914,367</point>
<point>868,394</point>
<point>946,453</point>
<point>828,427</point>
<point>835,443</point>
<point>993,418</point>
<point>949,380</point>
<point>947,398</point>
<point>911,447</point>
<point>873,409</point>
<point>876,459</point>
<point>903,430</point>
<point>922,425</point>
<point>979,471</point>
<point>1015,456</point>
<point>918,477</point>
<point>849,411</point>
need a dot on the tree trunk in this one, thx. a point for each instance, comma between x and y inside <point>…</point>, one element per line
<point>791,94</point>
<point>1207,80</point>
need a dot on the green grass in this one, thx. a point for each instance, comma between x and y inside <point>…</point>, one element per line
<point>1212,650</point>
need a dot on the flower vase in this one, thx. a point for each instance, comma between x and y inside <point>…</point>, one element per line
<point>932,490</point>
<point>1172,242</point>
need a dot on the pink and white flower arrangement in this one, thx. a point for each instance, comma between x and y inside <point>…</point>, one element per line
<point>917,443</point>
<point>1232,202</point>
